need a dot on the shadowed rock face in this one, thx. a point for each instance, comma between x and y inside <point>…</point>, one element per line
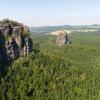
<point>62,38</point>
<point>7,29</point>
<point>2,48</point>
<point>14,40</point>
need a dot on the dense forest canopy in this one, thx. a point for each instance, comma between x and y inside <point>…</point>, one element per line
<point>69,72</point>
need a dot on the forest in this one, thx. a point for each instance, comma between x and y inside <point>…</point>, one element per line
<point>68,72</point>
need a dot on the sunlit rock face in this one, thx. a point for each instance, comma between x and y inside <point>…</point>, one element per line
<point>62,38</point>
<point>15,40</point>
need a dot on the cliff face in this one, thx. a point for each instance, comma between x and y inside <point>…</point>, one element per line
<point>15,40</point>
<point>62,38</point>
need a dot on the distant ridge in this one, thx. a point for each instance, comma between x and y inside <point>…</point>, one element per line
<point>48,29</point>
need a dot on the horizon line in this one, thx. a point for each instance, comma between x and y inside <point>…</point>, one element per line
<point>63,25</point>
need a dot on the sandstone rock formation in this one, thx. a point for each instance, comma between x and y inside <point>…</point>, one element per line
<point>15,40</point>
<point>62,38</point>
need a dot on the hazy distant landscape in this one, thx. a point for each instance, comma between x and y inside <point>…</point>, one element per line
<point>69,29</point>
<point>49,50</point>
<point>53,72</point>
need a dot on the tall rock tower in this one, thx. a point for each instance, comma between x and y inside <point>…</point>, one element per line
<point>62,38</point>
<point>15,40</point>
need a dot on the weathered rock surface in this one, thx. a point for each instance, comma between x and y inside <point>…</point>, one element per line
<point>15,40</point>
<point>62,38</point>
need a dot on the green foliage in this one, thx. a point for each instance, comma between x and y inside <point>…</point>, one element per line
<point>55,73</point>
<point>12,22</point>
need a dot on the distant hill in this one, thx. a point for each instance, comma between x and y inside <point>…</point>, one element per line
<point>48,29</point>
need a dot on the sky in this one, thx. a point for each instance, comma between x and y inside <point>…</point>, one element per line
<point>51,12</point>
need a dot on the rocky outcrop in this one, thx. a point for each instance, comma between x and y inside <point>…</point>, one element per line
<point>62,38</point>
<point>15,40</point>
<point>2,48</point>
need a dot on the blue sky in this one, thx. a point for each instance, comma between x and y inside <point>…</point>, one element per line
<point>51,12</point>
